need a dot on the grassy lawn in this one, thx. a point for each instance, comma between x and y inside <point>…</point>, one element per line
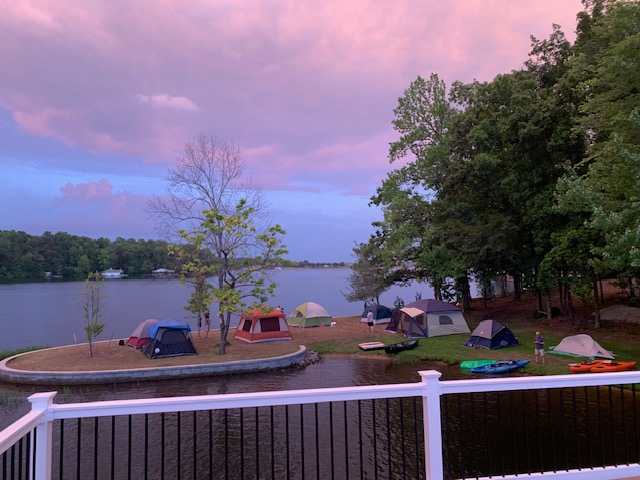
<point>10,353</point>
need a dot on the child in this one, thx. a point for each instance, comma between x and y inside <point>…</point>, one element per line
<point>370,321</point>
<point>538,348</point>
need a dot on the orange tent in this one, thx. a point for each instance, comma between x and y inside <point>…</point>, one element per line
<point>259,326</point>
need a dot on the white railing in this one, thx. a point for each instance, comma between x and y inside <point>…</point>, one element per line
<point>44,412</point>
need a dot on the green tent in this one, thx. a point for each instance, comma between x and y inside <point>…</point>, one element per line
<point>309,315</point>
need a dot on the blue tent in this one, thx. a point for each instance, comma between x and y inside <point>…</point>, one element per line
<point>169,338</point>
<point>172,324</point>
<point>492,335</point>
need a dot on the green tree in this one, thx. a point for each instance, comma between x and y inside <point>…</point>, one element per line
<point>92,309</point>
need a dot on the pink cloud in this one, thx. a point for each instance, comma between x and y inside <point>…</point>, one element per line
<point>102,189</point>
<point>307,92</point>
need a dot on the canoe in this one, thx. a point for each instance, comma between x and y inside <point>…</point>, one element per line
<point>501,367</point>
<point>399,347</point>
<point>469,364</point>
<point>585,367</point>
<point>613,367</point>
<point>367,346</point>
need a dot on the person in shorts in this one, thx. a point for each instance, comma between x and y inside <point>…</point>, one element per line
<point>370,321</point>
<point>538,348</point>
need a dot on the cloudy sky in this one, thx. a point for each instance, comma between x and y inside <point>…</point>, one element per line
<point>97,99</point>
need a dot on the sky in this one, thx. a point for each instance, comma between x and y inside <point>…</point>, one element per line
<point>98,98</point>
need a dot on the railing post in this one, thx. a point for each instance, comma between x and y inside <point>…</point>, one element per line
<point>44,435</point>
<point>432,425</point>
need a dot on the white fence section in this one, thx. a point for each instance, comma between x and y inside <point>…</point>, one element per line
<point>45,411</point>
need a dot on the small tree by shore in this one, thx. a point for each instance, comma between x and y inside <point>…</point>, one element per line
<point>92,308</point>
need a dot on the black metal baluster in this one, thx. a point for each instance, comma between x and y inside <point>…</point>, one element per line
<point>35,446</point>
<point>375,441</point>
<point>162,426</point>
<point>273,452</point>
<point>404,462</point>
<point>360,438</point>
<point>317,430</point>
<point>13,460</point>
<point>146,446</point>
<point>525,437</point>
<point>129,448</point>
<point>415,430</point>
<point>635,417</point>
<point>346,442</point>
<point>575,426</point>
<point>210,445</point>
<point>302,439</point>
<point>497,422</point>
<point>286,438</point>
<point>612,425</point>
<point>4,465</point>
<point>624,426</point>
<point>27,458</point>
<point>472,433</point>
<point>194,435</point>
<point>598,421</point>
<point>485,426</point>
<point>61,454</point>
<point>552,431</point>
<point>587,424</point>
<point>113,447</point>
<point>95,448</point>
<point>257,444</point>
<point>331,440</point>
<point>226,444</point>
<point>20,458</point>
<point>386,401</point>
<point>78,444</point>
<point>563,429</point>
<point>178,445</point>
<point>241,444</point>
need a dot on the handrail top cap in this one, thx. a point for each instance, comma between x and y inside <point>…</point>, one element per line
<point>42,399</point>
<point>430,375</point>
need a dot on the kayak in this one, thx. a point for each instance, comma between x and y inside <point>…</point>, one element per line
<point>399,347</point>
<point>585,367</point>
<point>505,366</point>
<point>601,366</point>
<point>613,367</point>
<point>469,364</point>
<point>367,346</point>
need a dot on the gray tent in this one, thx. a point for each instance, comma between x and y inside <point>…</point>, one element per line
<point>428,318</point>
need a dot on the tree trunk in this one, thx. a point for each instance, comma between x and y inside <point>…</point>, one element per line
<point>90,347</point>
<point>548,298</point>
<point>601,290</point>
<point>437,289</point>
<point>222,346</point>
<point>596,298</point>
<point>517,286</point>
<point>465,291</point>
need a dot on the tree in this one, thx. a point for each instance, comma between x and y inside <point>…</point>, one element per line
<point>368,274</point>
<point>236,280</point>
<point>92,308</point>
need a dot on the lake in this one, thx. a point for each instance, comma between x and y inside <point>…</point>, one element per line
<point>50,313</point>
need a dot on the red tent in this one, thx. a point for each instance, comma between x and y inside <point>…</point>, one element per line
<point>141,336</point>
<point>259,326</point>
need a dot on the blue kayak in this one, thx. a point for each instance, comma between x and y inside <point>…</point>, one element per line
<point>501,367</point>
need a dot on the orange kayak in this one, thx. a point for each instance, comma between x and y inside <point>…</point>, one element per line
<point>613,367</point>
<point>585,367</point>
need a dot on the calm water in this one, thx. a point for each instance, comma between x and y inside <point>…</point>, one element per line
<point>51,313</point>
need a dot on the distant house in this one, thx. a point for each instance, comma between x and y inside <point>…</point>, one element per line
<point>113,273</point>
<point>163,272</point>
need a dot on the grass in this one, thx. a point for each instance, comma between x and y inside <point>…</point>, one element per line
<point>10,353</point>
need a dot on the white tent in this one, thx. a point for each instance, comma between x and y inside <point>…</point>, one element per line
<point>582,346</point>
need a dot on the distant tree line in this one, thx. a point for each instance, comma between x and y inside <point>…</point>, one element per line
<point>534,174</point>
<point>28,257</point>
<point>25,257</point>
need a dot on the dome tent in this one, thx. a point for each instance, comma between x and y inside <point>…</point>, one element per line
<point>169,339</point>
<point>381,314</point>
<point>259,326</point>
<point>140,336</point>
<point>310,314</point>
<point>491,334</point>
<point>428,318</point>
<point>581,345</point>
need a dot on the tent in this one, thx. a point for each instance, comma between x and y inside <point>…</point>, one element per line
<point>140,336</point>
<point>381,314</point>
<point>428,318</point>
<point>581,346</point>
<point>169,339</point>
<point>310,315</point>
<point>259,326</point>
<point>491,334</point>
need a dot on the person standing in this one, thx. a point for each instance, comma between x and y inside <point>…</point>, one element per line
<point>370,321</point>
<point>538,348</point>
<point>207,321</point>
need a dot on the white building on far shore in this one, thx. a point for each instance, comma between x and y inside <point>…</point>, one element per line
<point>113,273</point>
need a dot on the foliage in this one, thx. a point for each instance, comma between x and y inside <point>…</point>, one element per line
<point>92,308</point>
<point>368,274</point>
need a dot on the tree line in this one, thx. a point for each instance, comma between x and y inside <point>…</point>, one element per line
<point>534,174</point>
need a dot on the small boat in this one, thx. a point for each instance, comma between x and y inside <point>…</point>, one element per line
<point>505,366</point>
<point>613,367</point>
<point>367,346</point>
<point>585,367</point>
<point>399,347</point>
<point>469,364</point>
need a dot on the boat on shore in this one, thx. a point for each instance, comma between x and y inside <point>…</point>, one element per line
<point>602,366</point>
<point>368,346</point>
<point>470,364</point>
<point>501,367</point>
<point>401,346</point>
